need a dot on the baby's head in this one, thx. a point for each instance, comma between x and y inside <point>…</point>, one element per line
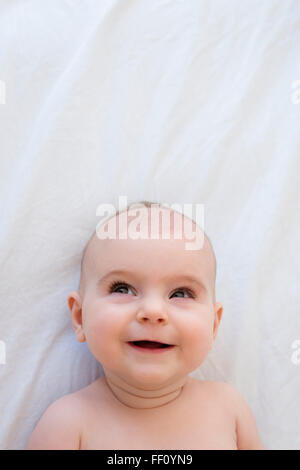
<point>128,292</point>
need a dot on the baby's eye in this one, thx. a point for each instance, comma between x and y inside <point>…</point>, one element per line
<point>185,291</point>
<point>115,286</point>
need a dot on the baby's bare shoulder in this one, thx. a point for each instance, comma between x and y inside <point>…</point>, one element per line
<point>216,389</point>
<point>223,395</point>
<point>59,426</point>
<point>229,397</point>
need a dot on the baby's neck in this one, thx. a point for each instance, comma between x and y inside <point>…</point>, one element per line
<point>139,398</point>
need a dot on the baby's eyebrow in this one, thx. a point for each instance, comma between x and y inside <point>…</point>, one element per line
<point>180,277</point>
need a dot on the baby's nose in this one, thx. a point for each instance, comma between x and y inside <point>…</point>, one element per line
<point>152,314</point>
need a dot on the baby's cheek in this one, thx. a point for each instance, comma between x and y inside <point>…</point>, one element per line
<point>198,344</point>
<point>102,335</point>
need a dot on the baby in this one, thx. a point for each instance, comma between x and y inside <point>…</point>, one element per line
<point>148,339</point>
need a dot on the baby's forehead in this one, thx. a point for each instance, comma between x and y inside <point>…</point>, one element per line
<point>95,245</point>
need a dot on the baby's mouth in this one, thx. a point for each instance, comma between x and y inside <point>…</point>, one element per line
<point>150,344</point>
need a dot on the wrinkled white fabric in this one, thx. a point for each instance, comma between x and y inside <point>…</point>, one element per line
<point>167,100</point>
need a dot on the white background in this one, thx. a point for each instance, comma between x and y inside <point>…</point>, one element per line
<point>173,101</point>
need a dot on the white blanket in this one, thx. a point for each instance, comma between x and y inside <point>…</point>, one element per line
<point>192,101</point>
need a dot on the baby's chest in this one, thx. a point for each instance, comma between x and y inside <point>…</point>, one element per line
<point>211,429</point>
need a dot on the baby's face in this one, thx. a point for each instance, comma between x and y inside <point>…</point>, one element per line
<point>165,293</point>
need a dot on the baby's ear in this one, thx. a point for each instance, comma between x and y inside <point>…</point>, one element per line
<point>74,303</point>
<point>218,315</point>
